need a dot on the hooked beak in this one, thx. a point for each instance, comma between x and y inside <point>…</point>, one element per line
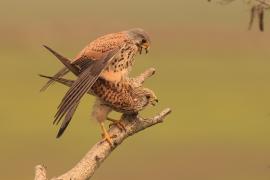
<point>146,50</point>
<point>154,102</point>
<point>146,47</point>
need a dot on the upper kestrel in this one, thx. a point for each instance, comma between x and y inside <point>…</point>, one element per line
<point>110,57</point>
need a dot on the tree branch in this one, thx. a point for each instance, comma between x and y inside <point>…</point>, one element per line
<point>139,80</point>
<point>87,166</point>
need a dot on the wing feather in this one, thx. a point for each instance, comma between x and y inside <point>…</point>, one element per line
<point>66,82</point>
<point>83,84</point>
<point>62,72</point>
<point>67,120</point>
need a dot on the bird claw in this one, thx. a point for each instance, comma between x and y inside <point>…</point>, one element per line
<point>108,138</point>
<point>119,124</point>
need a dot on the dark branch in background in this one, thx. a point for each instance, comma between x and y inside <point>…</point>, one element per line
<point>261,17</point>
<point>87,166</point>
<point>252,16</point>
<point>257,9</point>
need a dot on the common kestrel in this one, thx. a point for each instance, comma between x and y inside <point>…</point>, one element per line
<point>109,57</point>
<point>120,96</point>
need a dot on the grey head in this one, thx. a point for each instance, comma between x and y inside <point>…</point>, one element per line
<point>141,38</point>
<point>143,97</point>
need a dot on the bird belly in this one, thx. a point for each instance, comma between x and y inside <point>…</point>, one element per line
<point>115,76</point>
<point>120,66</point>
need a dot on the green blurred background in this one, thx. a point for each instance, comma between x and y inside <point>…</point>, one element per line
<point>212,72</point>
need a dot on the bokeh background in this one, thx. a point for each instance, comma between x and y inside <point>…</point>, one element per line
<point>212,72</point>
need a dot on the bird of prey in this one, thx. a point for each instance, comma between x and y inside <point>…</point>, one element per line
<point>121,96</point>
<point>109,57</point>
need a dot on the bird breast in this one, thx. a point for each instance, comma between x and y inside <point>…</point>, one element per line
<point>121,65</point>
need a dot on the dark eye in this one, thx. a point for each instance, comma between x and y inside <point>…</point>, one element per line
<point>143,41</point>
<point>147,96</point>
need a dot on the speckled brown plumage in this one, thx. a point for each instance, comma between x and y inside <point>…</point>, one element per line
<point>96,50</point>
<point>121,96</point>
<point>109,57</point>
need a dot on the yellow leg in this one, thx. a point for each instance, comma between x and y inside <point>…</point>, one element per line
<point>118,123</point>
<point>105,134</point>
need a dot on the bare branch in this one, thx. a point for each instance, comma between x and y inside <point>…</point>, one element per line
<point>86,168</point>
<point>139,80</point>
<point>40,172</point>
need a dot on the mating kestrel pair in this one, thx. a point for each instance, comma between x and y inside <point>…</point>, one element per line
<point>102,67</point>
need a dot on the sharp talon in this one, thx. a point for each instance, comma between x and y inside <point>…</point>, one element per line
<point>105,135</point>
<point>120,125</point>
<point>117,123</point>
<point>114,136</point>
<point>108,138</point>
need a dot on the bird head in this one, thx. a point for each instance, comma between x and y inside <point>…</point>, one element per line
<point>141,39</point>
<point>150,96</point>
<point>144,96</point>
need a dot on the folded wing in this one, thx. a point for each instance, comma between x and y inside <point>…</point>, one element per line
<point>82,85</point>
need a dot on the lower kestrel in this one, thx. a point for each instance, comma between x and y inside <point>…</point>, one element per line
<point>121,96</point>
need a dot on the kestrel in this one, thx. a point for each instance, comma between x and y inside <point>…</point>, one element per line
<point>109,57</point>
<point>121,96</point>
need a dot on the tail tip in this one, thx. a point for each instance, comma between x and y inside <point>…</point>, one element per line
<point>59,134</point>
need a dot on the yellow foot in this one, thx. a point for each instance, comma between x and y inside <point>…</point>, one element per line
<point>108,138</point>
<point>117,123</point>
<point>105,135</point>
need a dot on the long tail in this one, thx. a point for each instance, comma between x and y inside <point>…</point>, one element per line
<point>62,72</point>
<point>64,60</point>
<point>64,81</point>
<point>70,113</point>
<point>67,120</point>
<point>59,80</point>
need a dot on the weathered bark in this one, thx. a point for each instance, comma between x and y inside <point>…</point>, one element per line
<point>101,150</point>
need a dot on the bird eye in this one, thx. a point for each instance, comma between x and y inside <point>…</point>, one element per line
<point>147,96</point>
<point>143,41</point>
